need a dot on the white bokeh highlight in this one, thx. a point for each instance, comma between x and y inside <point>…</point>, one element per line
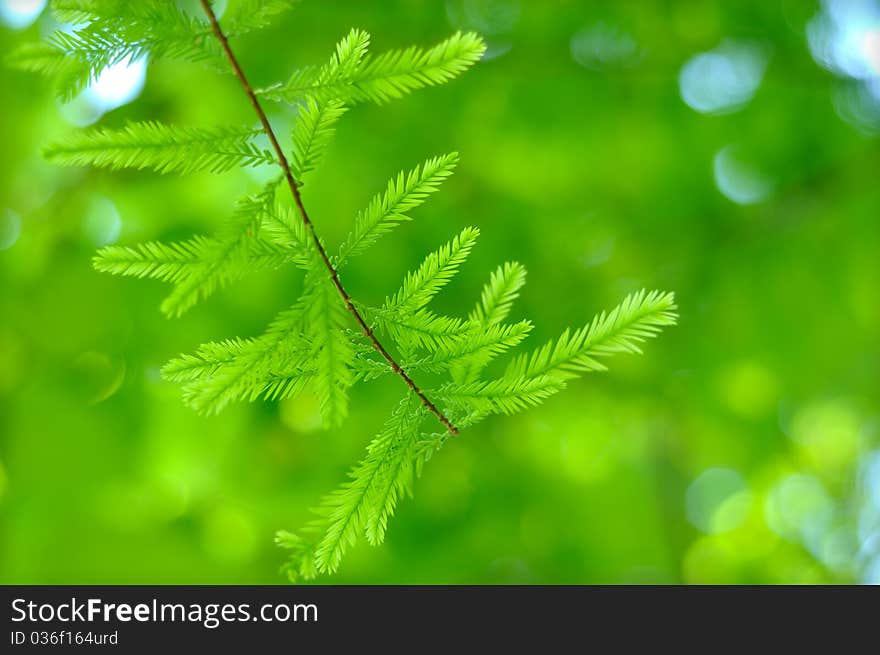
<point>118,84</point>
<point>722,80</point>
<point>20,14</point>
<point>115,86</point>
<point>844,38</point>
<point>737,179</point>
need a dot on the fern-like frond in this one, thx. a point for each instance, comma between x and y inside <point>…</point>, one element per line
<point>172,262</point>
<point>315,344</point>
<point>226,260</point>
<point>69,74</point>
<point>640,316</point>
<point>477,346</point>
<point>367,500</point>
<point>163,148</point>
<point>122,28</point>
<point>421,285</point>
<point>94,48</point>
<point>110,31</point>
<point>422,329</point>
<point>498,294</point>
<point>506,395</point>
<point>246,16</point>
<point>320,81</point>
<point>404,192</point>
<point>201,265</point>
<point>300,564</point>
<point>229,258</point>
<point>495,303</point>
<point>343,65</point>
<point>532,378</point>
<point>207,360</point>
<point>168,262</point>
<point>368,368</point>
<point>398,72</point>
<point>331,349</point>
<point>312,132</point>
<point>248,369</point>
<point>387,76</point>
<point>282,227</point>
<point>77,12</point>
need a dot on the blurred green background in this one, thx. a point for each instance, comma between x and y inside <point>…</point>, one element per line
<point>725,151</point>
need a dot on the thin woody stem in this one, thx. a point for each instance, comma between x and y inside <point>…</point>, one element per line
<point>294,189</point>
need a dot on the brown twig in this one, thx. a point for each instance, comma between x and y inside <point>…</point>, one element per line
<point>294,189</point>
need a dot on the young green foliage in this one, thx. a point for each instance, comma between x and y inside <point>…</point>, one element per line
<point>163,148</point>
<point>380,78</point>
<point>200,266</point>
<point>331,349</point>
<point>404,192</point>
<point>325,342</point>
<point>106,32</point>
<point>421,285</point>
<point>498,294</point>
<point>312,133</point>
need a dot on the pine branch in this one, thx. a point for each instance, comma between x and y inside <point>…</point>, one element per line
<point>398,72</point>
<point>330,349</point>
<point>314,343</point>
<point>294,189</point>
<point>531,378</point>
<point>366,501</point>
<point>421,285</point>
<point>343,65</point>
<point>207,360</point>
<point>110,31</point>
<point>247,369</point>
<point>169,262</point>
<point>385,77</point>
<point>507,395</point>
<point>312,132</point>
<point>282,229</point>
<point>422,329</point>
<point>404,192</point>
<point>228,258</point>
<point>498,294</point>
<point>172,262</point>
<point>251,15</point>
<point>477,346</point>
<point>495,303</point>
<point>70,74</point>
<point>202,265</point>
<point>640,316</point>
<point>163,148</point>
